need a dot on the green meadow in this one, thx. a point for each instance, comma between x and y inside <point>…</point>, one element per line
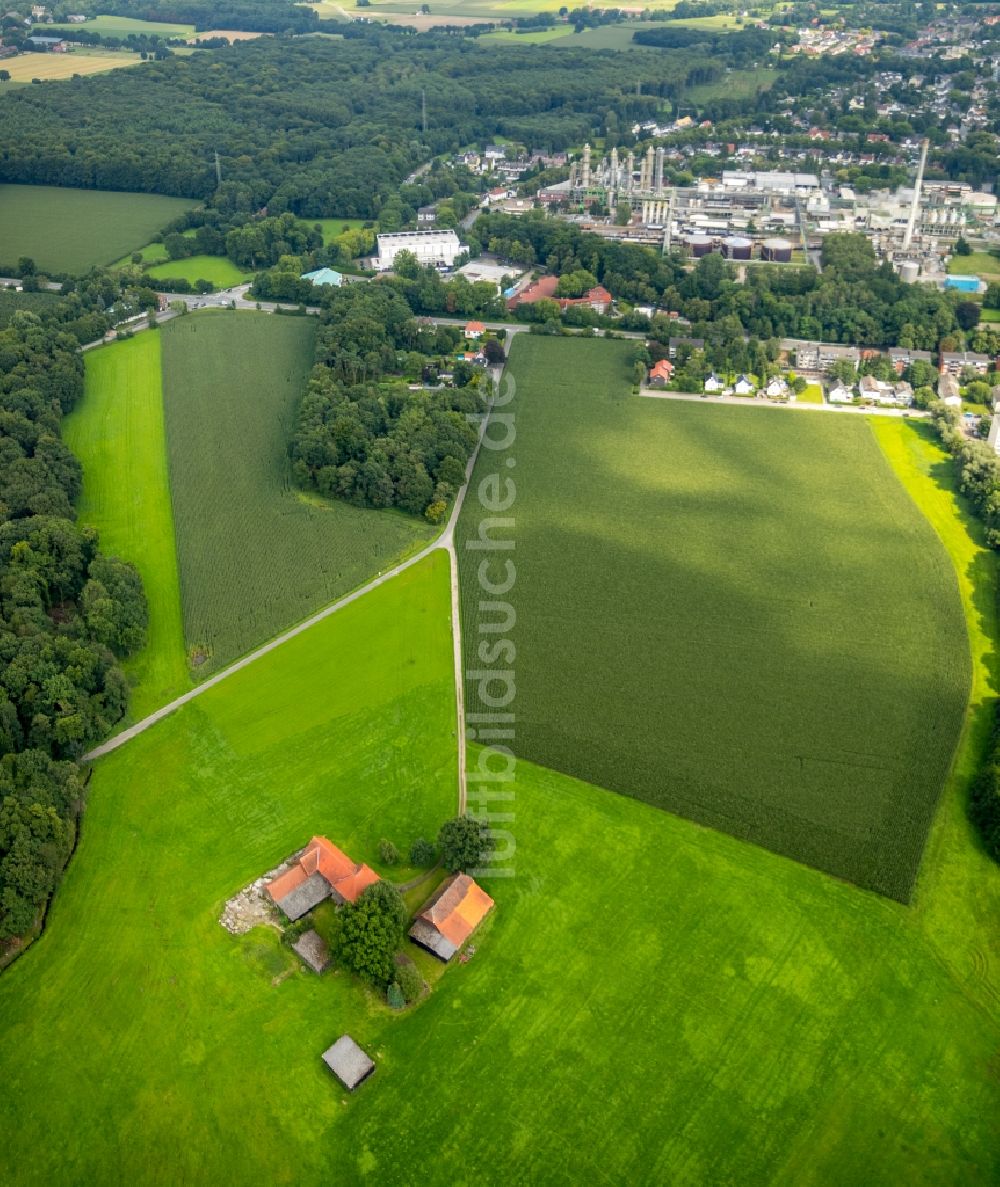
<point>117,433</point>
<point>65,230</point>
<point>220,271</point>
<point>711,1013</point>
<point>255,555</point>
<point>123,26</point>
<point>717,612</point>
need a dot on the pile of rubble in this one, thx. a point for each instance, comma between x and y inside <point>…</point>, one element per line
<point>252,907</point>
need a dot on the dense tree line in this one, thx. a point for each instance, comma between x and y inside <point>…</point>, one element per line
<point>316,127</point>
<point>978,469</point>
<point>66,613</point>
<point>253,16</point>
<point>369,439</point>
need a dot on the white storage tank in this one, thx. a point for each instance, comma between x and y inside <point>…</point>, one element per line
<point>777,250</point>
<point>700,245</point>
<point>736,247</point>
<point>909,270</point>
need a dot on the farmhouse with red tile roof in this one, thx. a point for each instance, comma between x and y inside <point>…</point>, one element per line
<point>322,871</point>
<point>450,916</point>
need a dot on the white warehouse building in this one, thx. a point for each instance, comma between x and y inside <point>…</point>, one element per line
<point>430,247</point>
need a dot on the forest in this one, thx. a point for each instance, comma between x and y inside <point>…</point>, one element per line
<point>67,613</point>
<point>362,434</point>
<point>320,128</point>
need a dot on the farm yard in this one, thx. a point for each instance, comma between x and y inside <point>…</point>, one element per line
<point>746,987</point>
<point>745,590</point>
<point>65,230</point>
<point>117,433</point>
<point>255,555</point>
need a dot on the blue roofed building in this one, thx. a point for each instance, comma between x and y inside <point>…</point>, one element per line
<point>324,276</point>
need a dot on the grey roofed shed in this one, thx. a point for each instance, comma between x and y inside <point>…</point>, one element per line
<point>305,896</point>
<point>313,950</point>
<point>348,1062</point>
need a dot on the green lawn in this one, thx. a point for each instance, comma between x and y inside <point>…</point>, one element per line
<point>66,230</point>
<point>718,613</point>
<point>979,263</point>
<point>122,26</point>
<point>220,270</point>
<point>738,84</point>
<point>117,433</point>
<point>333,227</point>
<point>811,394</point>
<point>990,315</point>
<point>712,1013</point>
<point>255,555</point>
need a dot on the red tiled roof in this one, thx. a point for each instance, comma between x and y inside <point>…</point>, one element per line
<point>349,878</point>
<point>661,370</point>
<point>459,909</point>
<point>475,327</point>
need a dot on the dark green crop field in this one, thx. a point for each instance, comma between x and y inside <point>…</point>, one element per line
<point>66,230</point>
<point>254,555</point>
<point>736,615</point>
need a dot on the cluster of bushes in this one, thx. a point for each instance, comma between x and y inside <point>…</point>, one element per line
<point>66,614</point>
<point>376,443</point>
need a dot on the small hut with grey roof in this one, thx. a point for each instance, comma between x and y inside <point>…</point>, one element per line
<point>348,1062</point>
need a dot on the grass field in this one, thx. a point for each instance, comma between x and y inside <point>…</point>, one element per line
<point>220,270</point>
<point>333,227</point>
<point>123,26</point>
<point>11,302</point>
<point>717,613</point>
<point>255,556</point>
<point>66,230</point>
<point>117,433</point>
<point>738,84</point>
<point>53,67</point>
<point>979,263</point>
<point>714,1014</point>
<point>811,394</point>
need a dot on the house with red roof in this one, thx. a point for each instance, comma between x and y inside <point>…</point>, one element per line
<point>661,373</point>
<point>475,329</point>
<point>321,871</point>
<point>450,916</point>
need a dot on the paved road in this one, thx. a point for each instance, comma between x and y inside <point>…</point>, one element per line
<point>743,402</point>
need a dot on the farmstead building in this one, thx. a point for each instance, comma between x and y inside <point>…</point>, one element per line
<point>322,871</point>
<point>450,916</point>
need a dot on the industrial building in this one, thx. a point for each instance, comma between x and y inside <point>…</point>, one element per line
<point>439,248</point>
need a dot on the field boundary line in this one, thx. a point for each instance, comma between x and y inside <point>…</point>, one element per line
<point>446,541</point>
<point>133,731</point>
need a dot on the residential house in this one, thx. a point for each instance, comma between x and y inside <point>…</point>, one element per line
<point>901,358</point>
<point>450,916</point>
<point>674,343</point>
<point>841,394</point>
<point>993,440</point>
<point>713,383</point>
<point>661,373</point>
<point>947,390</point>
<point>426,216</point>
<point>321,871</point>
<point>777,388</point>
<point>886,395</point>
<point>744,386</point>
<point>954,362</point>
<point>475,330</point>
